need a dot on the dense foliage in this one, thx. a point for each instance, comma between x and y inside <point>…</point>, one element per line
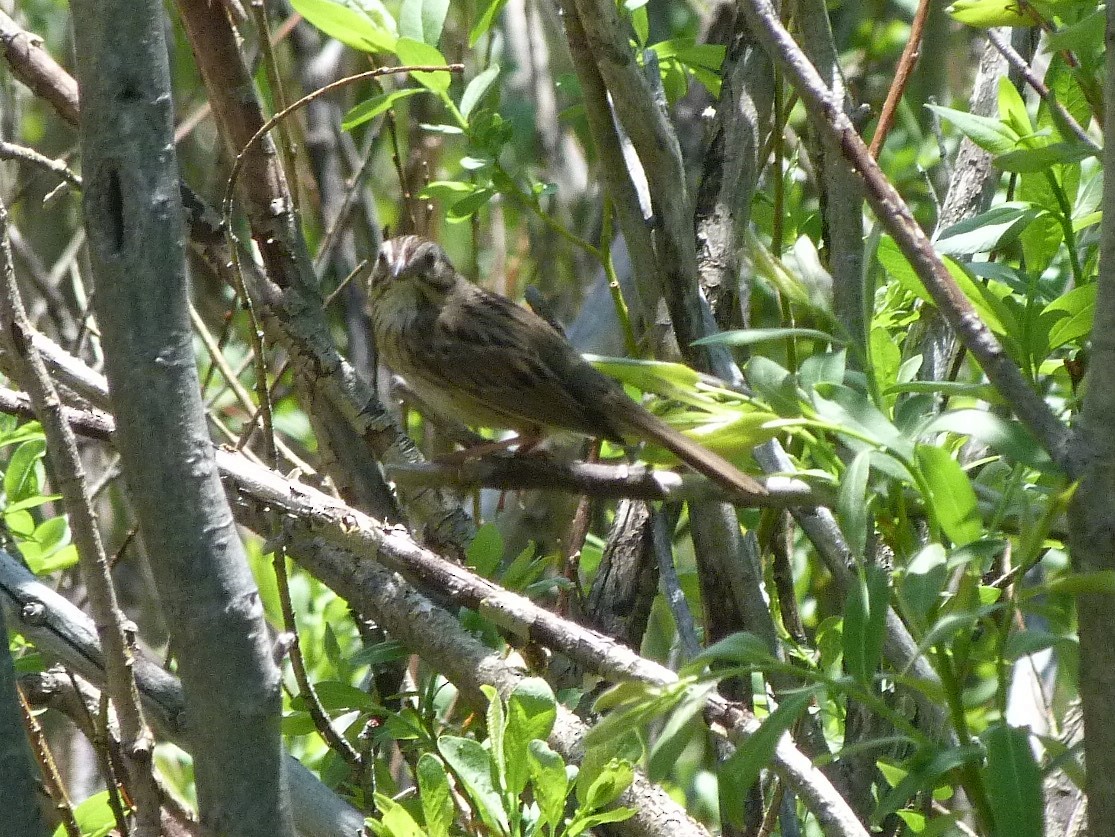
<point>919,643</point>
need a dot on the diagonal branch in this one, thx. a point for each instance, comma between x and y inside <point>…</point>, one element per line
<point>892,211</point>
<point>346,548</point>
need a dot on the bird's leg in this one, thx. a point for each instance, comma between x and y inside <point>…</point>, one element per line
<point>524,443</point>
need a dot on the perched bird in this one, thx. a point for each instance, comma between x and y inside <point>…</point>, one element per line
<point>477,356</point>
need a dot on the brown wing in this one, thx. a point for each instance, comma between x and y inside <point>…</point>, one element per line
<point>492,351</point>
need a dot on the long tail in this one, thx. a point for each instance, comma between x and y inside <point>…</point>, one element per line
<point>697,456</point>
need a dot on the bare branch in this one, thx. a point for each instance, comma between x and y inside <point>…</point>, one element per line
<point>599,480</point>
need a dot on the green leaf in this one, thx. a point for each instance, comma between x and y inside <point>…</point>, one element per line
<point>366,26</point>
<point>419,54</point>
<point>582,824</point>
<point>991,309</point>
<point>21,480</point>
<point>923,580</point>
<point>1013,782</point>
<point>373,107</point>
<point>928,766</point>
<point>485,20</point>
<point>1070,316</point>
<point>606,786</point>
<point>864,617</point>
<point>32,502</point>
<point>886,358</point>
<point>1076,584</point>
<point>751,336</point>
<point>394,819</point>
<point>446,190</point>
<point>852,411</point>
<point>338,696</point>
<point>1012,110</point>
<point>473,766</point>
<point>433,791</point>
<point>986,14</point>
<point>422,20</point>
<point>989,134</point>
<point>1006,436</point>
<point>531,711</point>
<point>486,550</point>
<point>640,21</point>
<point>1066,89</point>
<point>776,385</point>
<point>1023,643</point>
<point>739,772</point>
<point>1040,159</point>
<point>951,494</point>
<point>852,503</point>
<point>987,231</point>
<point>823,368</point>
<point>476,89</point>
<point>677,732</point>
<point>379,654</point>
<point>619,739</point>
<point>465,208</point>
<point>549,783</point>
<point>41,563</point>
<point>739,649</point>
<point>496,730</point>
<point>94,816</point>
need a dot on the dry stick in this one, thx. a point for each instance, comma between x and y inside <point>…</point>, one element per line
<point>274,79</point>
<point>11,151</point>
<point>901,78</point>
<point>238,389</point>
<point>32,373</point>
<point>828,117</point>
<point>324,725</point>
<point>55,788</point>
<point>1023,69</point>
<point>35,67</point>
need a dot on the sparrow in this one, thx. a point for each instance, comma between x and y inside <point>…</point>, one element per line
<point>477,356</point>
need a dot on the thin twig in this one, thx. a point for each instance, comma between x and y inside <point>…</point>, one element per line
<point>523,472</point>
<point>333,739</point>
<point>51,777</point>
<point>275,80</point>
<point>1019,64</point>
<point>902,73</point>
<point>11,151</point>
<point>15,336</point>
<point>671,587</point>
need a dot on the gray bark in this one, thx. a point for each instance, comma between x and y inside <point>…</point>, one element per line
<point>134,221</point>
<point>1092,516</point>
<point>18,775</point>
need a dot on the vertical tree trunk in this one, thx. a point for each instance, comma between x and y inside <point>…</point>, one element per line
<point>134,221</point>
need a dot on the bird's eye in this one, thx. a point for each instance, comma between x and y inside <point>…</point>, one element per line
<point>427,261</point>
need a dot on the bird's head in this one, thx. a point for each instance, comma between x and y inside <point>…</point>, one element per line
<point>413,262</point>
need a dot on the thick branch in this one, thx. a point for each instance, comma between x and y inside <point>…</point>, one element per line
<point>134,221</point>
<point>61,631</point>
<point>1092,533</point>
